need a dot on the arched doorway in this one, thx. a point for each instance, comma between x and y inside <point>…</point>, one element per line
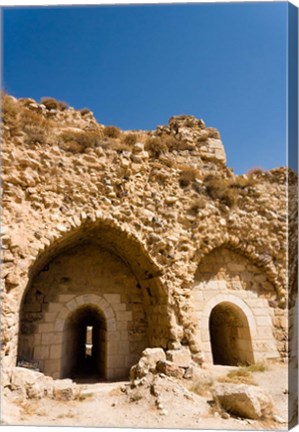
<point>84,348</point>
<point>230,335</point>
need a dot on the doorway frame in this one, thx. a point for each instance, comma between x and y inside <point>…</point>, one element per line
<point>205,320</point>
<point>53,326</point>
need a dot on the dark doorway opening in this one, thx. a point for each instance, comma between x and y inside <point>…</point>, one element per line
<point>230,336</point>
<point>84,356</point>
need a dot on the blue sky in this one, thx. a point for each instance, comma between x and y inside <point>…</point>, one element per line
<point>136,66</point>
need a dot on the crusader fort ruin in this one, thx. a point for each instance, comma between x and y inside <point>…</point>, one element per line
<point>116,241</point>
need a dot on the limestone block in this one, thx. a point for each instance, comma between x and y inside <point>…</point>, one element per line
<point>216,146</point>
<point>148,361</point>
<point>138,147</point>
<point>71,305</point>
<point>64,390</point>
<point>121,373</point>
<point>29,382</point>
<point>244,400</point>
<point>55,351</point>
<point>111,325</point>
<point>124,315</point>
<point>263,321</point>
<point>64,298</point>
<point>59,325</point>
<point>170,369</point>
<point>114,336</point>
<point>123,335</point>
<point>50,338</point>
<point>41,352</point>
<point>181,358</point>
<point>119,307</point>
<point>112,298</point>
<point>50,316</point>
<point>122,326</point>
<point>54,307</point>
<point>116,360</point>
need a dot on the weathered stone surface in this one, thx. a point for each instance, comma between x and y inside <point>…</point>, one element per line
<point>152,207</point>
<point>30,383</point>
<point>64,390</point>
<point>147,362</point>
<point>244,400</point>
<point>181,357</point>
<point>169,369</point>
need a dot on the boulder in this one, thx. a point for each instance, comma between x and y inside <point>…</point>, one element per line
<point>29,383</point>
<point>243,400</point>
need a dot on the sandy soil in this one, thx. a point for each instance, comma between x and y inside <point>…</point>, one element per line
<point>114,405</point>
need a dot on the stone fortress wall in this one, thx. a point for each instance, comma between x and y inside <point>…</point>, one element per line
<point>145,235</point>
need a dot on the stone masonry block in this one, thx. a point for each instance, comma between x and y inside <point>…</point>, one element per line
<point>71,305</point>
<point>119,307</point>
<point>46,327</point>
<point>55,351</point>
<point>111,324</point>
<point>123,335</point>
<point>116,360</point>
<point>263,320</point>
<point>197,295</point>
<point>109,313</point>
<point>255,303</point>
<point>124,316</point>
<point>41,352</point>
<point>122,325</point>
<point>113,336</point>
<point>64,313</point>
<point>110,373</point>
<point>112,298</point>
<point>51,366</point>
<point>260,311</point>
<point>205,335</point>
<point>117,348</point>
<point>37,339</point>
<point>51,338</point>
<point>50,316</point>
<point>80,301</point>
<point>64,298</point>
<point>59,325</point>
<point>54,307</point>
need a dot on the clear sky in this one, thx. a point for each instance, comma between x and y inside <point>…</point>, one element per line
<point>136,66</point>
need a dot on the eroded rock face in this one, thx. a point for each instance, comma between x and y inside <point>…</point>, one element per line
<point>243,400</point>
<point>160,202</point>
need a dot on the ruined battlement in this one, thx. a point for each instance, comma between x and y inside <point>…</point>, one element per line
<point>149,231</point>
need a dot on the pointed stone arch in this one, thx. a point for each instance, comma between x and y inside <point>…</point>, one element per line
<point>260,329</point>
<point>137,306</point>
<point>224,275</point>
<point>245,249</point>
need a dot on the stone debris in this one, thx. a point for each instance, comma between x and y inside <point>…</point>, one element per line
<point>157,213</point>
<point>154,361</point>
<point>147,362</point>
<point>243,400</point>
<point>64,390</point>
<point>31,384</point>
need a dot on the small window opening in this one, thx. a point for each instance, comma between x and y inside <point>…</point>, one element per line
<point>88,341</point>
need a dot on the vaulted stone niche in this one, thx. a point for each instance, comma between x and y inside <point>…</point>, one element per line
<point>233,301</point>
<point>230,335</point>
<point>97,281</point>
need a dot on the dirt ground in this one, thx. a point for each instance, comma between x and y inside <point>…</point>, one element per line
<point>114,405</point>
